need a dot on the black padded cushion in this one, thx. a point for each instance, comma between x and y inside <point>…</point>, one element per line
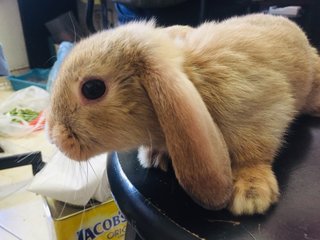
<point>157,207</point>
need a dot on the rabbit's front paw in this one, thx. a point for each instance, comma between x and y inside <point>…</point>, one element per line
<point>255,190</point>
<point>149,157</point>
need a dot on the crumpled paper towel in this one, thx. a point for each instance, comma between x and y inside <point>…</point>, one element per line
<point>73,182</point>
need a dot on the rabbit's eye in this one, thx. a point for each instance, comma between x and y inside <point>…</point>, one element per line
<point>93,89</point>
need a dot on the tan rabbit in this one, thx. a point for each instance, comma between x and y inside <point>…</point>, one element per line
<point>218,99</point>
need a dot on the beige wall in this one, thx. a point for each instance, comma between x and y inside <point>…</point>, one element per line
<point>11,35</point>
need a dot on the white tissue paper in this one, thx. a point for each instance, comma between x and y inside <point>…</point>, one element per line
<point>73,182</point>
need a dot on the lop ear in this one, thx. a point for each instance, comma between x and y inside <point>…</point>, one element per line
<point>196,146</point>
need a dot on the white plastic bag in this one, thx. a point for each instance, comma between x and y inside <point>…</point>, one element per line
<point>33,98</point>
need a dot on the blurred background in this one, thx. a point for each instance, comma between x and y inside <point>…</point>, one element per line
<point>31,30</point>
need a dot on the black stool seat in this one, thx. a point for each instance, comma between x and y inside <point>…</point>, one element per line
<point>157,208</point>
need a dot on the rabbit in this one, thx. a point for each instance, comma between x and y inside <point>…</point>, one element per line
<point>217,98</point>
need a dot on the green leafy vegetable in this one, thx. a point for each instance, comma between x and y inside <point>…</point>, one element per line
<point>23,113</point>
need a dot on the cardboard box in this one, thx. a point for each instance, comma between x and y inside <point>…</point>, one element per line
<point>96,221</point>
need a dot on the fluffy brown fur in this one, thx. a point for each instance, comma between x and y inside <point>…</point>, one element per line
<point>218,99</point>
